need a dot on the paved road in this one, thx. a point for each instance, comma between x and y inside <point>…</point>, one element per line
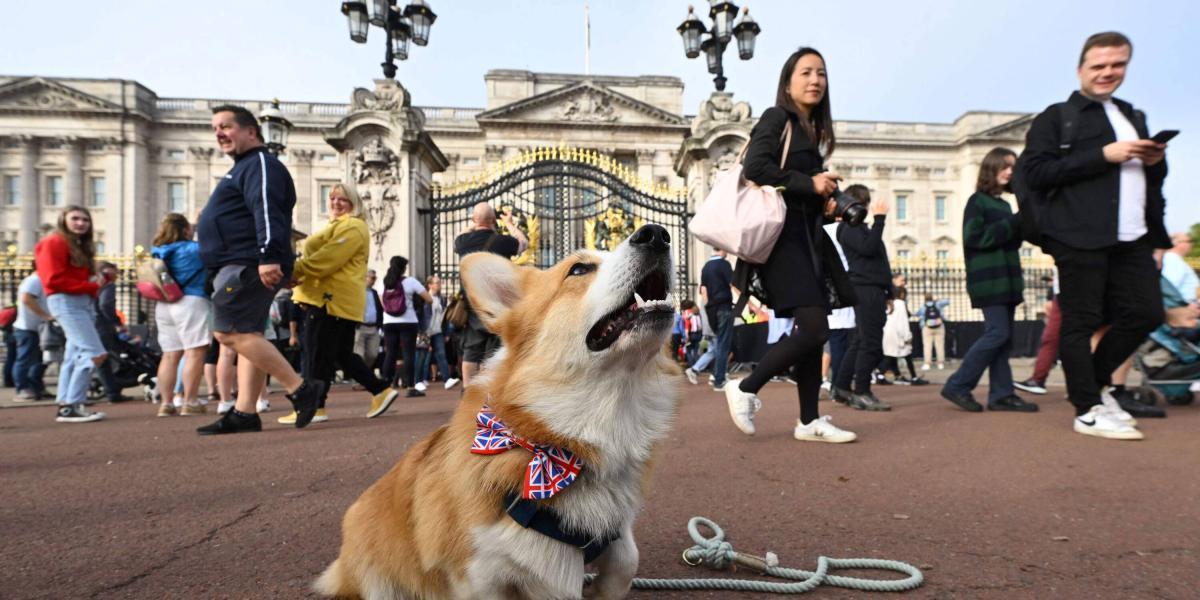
<point>989,505</point>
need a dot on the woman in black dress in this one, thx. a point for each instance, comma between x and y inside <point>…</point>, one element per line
<point>794,278</point>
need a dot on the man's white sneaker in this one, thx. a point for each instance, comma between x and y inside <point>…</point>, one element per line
<point>421,386</point>
<point>177,401</point>
<point>263,405</point>
<point>925,367</point>
<point>822,430</point>
<point>1113,407</point>
<point>827,385</point>
<point>742,406</point>
<point>451,382</point>
<point>224,406</point>
<point>691,376</point>
<point>1100,422</point>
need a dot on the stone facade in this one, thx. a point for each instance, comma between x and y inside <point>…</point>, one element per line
<point>131,156</point>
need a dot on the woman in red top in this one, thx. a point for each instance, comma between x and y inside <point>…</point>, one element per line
<point>65,263</point>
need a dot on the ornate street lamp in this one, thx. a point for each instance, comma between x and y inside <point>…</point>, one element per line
<point>723,30</point>
<point>275,128</point>
<point>411,23</point>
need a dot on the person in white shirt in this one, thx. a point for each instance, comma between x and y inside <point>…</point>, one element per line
<point>400,328</point>
<point>31,313</point>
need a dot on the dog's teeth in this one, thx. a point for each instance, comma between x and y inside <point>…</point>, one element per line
<point>638,298</point>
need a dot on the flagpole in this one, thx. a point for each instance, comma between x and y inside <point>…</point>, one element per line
<point>587,40</point>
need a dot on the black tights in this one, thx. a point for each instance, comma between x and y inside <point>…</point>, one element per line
<point>800,351</point>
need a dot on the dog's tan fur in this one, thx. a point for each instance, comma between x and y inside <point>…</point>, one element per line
<point>433,526</point>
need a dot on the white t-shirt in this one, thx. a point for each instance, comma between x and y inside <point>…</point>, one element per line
<point>412,287</point>
<point>27,319</point>
<point>840,318</point>
<point>1131,222</point>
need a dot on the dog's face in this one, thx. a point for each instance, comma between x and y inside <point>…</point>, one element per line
<point>593,308</point>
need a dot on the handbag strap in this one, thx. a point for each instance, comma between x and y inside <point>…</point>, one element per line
<point>787,145</point>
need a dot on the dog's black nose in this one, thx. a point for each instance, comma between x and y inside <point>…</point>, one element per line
<point>651,237</point>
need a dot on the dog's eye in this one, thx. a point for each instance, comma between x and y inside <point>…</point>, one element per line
<point>581,269</point>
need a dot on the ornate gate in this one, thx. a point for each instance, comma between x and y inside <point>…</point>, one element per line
<point>562,199</point>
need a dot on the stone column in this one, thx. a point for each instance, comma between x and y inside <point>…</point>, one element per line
<point>73,193</point>
<point>645,165</point>
<point>31,204</point>
<point>301,168</point>
<point>201,179</point>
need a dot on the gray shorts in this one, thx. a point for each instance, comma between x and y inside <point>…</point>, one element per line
<point>241,303</point>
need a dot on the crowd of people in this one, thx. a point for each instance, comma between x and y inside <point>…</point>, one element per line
<point>250,305</point>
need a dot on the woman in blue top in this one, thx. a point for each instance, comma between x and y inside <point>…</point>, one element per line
<point>184,327</point>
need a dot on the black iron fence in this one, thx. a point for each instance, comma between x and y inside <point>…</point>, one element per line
<point>948,281</point>
<point>137,310</point>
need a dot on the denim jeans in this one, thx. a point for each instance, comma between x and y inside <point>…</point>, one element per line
<point>991,351</point>
<point>721,320</point>
<point>436,352</point>
<point>77,317</point>
<point>28,368</point>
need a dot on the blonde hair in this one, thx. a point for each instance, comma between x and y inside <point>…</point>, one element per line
<point>349,194</point>
<point>172,229</point>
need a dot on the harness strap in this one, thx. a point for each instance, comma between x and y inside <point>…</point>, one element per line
<point>529,515</point>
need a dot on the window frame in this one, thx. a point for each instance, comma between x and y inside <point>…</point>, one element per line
<point>49,190</point>
<point>90,201</point>
<point>183,185</point>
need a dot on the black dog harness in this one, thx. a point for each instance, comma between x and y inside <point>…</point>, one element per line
<point>529,515</point>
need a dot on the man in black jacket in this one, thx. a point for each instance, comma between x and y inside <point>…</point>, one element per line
<point>871,274</point>
<point>245,242</point>
<point>1101,222</point>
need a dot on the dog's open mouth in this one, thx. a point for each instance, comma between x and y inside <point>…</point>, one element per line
<point>648,300</point>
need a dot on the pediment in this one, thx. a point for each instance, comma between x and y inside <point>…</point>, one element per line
<point>1014,129</point>
<point>583,103</point>
<point>41,94</point>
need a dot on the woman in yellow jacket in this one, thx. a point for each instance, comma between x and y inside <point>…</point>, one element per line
<point>329,276</point>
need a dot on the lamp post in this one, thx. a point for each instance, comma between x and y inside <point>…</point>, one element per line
<point>401,26</point>
<point>712,41</point>
<point>275,128</point>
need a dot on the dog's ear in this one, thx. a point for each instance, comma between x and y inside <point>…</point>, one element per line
<point>492,283</point>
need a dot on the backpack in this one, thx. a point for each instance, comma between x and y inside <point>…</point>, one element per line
<point>933,316</point>
<point>1029,201</point>
<point>395,301</point>
<point>8,315</point>
<point>154,281</point>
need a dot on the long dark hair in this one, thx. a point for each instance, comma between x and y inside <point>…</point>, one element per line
<point>994,161</point>
<point>395,272</point>
<point>82,248</point>
<point>819,126</point>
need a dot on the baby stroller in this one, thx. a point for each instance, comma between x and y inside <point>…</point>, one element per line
<point>1169,360</point>
<point>133,363</point>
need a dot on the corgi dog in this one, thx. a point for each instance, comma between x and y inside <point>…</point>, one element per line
<point>545,462</point>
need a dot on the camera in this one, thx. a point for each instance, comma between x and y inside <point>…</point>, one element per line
<point>848,208</point>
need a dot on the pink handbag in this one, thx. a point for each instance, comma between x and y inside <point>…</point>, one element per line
<point>739,216</point>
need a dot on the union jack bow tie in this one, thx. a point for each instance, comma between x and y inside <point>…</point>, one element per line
<point>550,470</point>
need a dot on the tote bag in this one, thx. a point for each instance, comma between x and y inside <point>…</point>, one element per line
<point>739,216</point>
<point>155,282</point>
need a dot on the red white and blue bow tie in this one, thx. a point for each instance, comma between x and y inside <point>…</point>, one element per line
<point>550,470</point>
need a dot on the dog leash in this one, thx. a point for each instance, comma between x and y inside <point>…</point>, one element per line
<point>716,553</point>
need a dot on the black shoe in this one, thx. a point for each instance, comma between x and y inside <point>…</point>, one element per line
<point>1031,386</point>
<point>963,401</point>
<point>306,400</point>
<point>232,422</point>
<point>867,401</point>
<point>1013,404</point>
<point>1139,410</point>
<point>902,381</point>
<point>839,395</point>
<point>414,393</point>
<point>120,398</point>
<point>880,379</point>
<point>918,380</point>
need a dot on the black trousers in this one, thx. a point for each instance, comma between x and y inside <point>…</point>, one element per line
<point>1118,285</point>
<point>330,344</point>
<point>866,346</point>
<point>400,341</point>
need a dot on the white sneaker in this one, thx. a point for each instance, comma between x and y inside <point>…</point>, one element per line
<point>827,385</point>
<point>691,376</point>
<point>76,413</point>
<point>451,382</point>
<point>941,366</point>
<point>421,386</point>
<point>925,367</point>
<point>822,430</point>
<point>1101,423</point>
<point>1113,407</point>
<point>224,406</point>
<point>742,406</point>
<point>263,405</point>
<point>177,401</point>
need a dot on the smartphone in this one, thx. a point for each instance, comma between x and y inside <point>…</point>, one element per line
<point>1165,135</point>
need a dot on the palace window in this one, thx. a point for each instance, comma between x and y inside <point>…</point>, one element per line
<point>470,161</point>
<point>860,170</point>
<point>939,209</point>
<point>900,171</point>
<point>175,154</point>
<point>902,255</point>
<point>327,157</point>
<point>100,248</point>
<point>97,192</point>
<point>12,190</point>
<point>943,258</point>
<point>901,207</point>
<point>323,198</point>
<point>54,190</point>
<point>939,171</point>
<point>176,197</point>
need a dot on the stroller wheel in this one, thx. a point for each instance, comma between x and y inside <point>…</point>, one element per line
<point>1182,399</point>
<point>1151,395</point>
<point>95,389</point>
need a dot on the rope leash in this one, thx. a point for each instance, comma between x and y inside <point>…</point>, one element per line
<point>718,554</point>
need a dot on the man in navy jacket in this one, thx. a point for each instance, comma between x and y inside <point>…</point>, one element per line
<point>245,243</point>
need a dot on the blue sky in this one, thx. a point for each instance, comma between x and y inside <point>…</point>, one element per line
<point>905,61</point>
